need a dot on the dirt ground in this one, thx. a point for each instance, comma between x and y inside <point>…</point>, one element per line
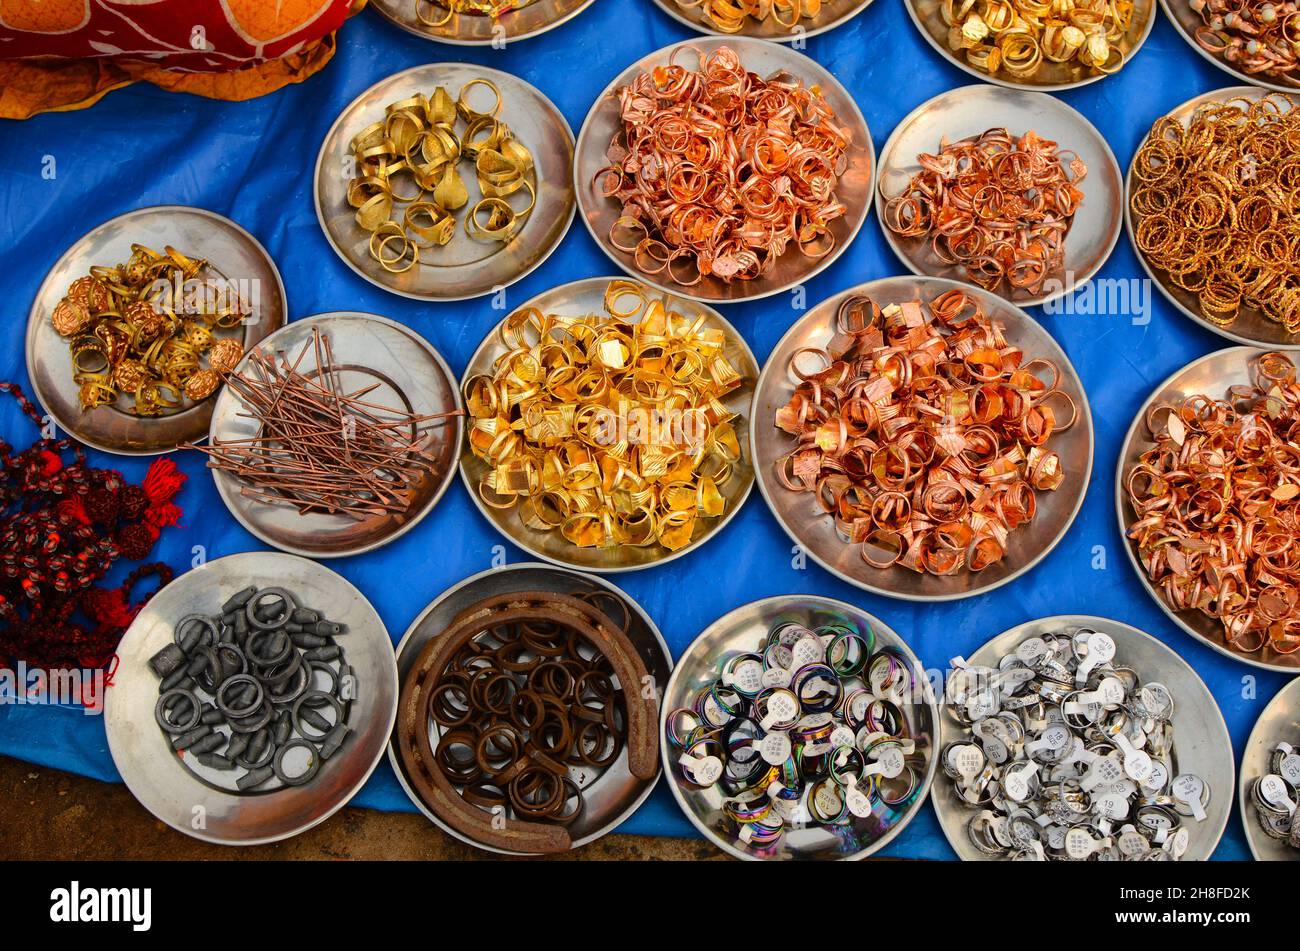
<point>48,814</point>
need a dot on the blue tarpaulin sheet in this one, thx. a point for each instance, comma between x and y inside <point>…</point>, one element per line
<point>252,161</point>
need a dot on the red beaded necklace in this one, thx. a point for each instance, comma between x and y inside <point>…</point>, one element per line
<point>62,526</point>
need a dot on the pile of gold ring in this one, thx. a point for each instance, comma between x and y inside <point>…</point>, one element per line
<point>610,429</point>
<point>416,142</point>
<point>1018,36</point>
<point>730,16</point>
<point>1217,207</point>
<point>438,13</point>
<point>141,329</point>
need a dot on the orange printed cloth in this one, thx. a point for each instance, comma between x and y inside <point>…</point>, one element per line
<point>66,54</point>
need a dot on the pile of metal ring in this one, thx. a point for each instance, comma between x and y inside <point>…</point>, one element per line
<point>138,331</point>
<point>810,729</point>
<point>526,699</point>
<point>417,141</point>
<point>239,690</point>
<point>1276,794</point>
<point>1068,755</point>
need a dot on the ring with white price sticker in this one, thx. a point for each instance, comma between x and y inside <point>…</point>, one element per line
<point>702,770</point>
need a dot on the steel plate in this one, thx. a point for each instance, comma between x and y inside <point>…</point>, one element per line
<point>1251,327</point>
<point>464,268</point>
<point>615,794</point>
<point>1051,77</point>
<point>1201,742</point>
<point>744,630</point>
<point>232,253</point>
<point>971,110</point>
<point>764,58</point>
<point>467,30</point>
<point>1211,375</point>
<point>832,14</point>
<point>165,785</point>
<point>1280,722</point>
<point>587,297</point>
<point>367,350</point>
<point>1186,20</point>
<point>803,519</point>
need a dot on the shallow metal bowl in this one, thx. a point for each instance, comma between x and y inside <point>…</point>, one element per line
<point>1051,77</point>
<point>467,30</point>
<point>1201,742</point>
<point>368,350</point>
<point>464,268</point>
<point>165,785</point>
<point>744,630</point>
<point>615,793</point>
<point>832,14</point>
<point>1251,327</point>
<point>1186,20</point>
<point>1280,722</point>
<point>806,524</point>
<point>971,110</point>
<point>1212,375</point>
<point>231,252</point>
<point>764,58</point>
<point>587,297</point>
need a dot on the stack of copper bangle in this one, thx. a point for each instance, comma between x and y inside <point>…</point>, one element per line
<point>998,205</point>
<point>1216,206</point>
<point>1216,507</point>
<point>718,171</point>
<point>923,433</point>
<point>521,703</point>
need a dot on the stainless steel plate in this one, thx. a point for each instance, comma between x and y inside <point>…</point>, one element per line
<point>971,110</point>
<point>615,793</point>
<point>1051,77</point>
<point>367,350</point>
<point>165,785</point>
<point>832,14</point>
<point>745,629</point>
<point>466,30</point>
<point>1251,327</point>
<point>804,521</point>
<point>234,254</point>
<point>763,58</point>
<point>464,268</point>
<point>1280,722</point>
<point>1201,742</point>
<point>1211,375</point>
<point>588,297</point>
<point>1186,20</point>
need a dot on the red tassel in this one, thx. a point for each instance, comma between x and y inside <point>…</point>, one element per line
<point>50,463</point>
<point>162,516</point>
<point>162,482</point>
<point>108,608</point>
